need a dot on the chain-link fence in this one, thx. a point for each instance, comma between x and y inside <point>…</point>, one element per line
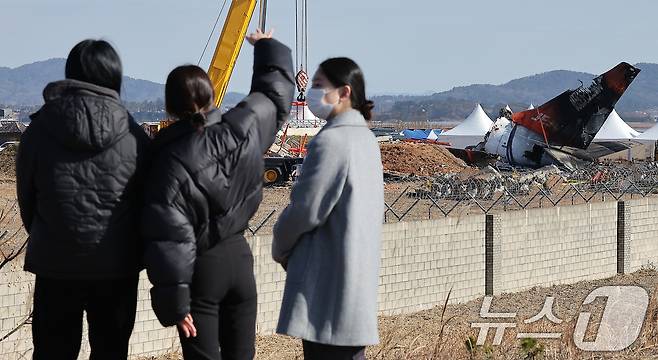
<point>491,190</point>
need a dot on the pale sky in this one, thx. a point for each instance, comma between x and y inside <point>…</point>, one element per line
<point>412,46</point>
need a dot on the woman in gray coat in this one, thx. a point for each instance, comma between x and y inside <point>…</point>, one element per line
<point>329,237</point>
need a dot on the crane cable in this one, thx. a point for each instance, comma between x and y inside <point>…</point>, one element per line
<point>301,47</point>
<point>296,34</point>
<point>306,35</point>
<point>211,33</point>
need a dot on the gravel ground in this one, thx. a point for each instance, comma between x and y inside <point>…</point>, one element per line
<point>8,163</point>
<point>419,159</point>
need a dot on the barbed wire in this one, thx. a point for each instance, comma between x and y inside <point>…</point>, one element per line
<point>490,190</point>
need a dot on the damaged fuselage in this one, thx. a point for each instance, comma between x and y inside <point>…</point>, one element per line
<point>562,129</point>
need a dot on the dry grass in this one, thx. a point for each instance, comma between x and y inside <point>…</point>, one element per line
<point>444,332</point>
<point>418,336</point>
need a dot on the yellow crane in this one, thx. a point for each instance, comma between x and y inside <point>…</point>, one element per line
<point>232,37</point>
<point>230,43</point>
<point>226,54</point>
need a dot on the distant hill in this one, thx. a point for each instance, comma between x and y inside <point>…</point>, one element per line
<point>536,89</point>
<point>643,92</point>
<point>23,85</point>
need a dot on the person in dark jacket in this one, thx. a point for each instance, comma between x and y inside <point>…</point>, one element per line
<point>78,188</point>
<point>204,185</point>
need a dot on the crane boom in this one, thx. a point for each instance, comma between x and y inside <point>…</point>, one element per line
<point>229,45</point>
<point>277,169</point>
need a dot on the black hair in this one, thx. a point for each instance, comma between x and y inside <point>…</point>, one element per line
<point>95,62</point>
<point>188,93</point>
<point>343,71</point>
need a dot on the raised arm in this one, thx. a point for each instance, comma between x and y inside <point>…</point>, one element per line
<point>272,89</point>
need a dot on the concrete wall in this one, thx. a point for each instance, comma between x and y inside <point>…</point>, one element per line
<point>554,245</point>
<point>643,233</point>
<point>270,281</point>
<point>16,288</point>
<point>421,261</point>
<point>148,338</point>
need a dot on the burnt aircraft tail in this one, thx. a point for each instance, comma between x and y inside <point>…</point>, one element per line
<point>574,117</point>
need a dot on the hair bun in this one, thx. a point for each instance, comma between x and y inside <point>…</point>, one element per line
<point>366,109</point>
<point>198,119</point>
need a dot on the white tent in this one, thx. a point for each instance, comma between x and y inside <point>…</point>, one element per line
<point>302,117</point>
<point>470,132</point>
<point>650,134</point>
<point>614,128</point>
<point>478,123</point>
<point>531,107</point>
<point>302,113</point>
<point>648,139</point>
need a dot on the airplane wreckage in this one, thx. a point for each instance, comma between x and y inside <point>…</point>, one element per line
<point>559,132</point>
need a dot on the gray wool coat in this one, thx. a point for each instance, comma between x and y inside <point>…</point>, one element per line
<point>330,237</point>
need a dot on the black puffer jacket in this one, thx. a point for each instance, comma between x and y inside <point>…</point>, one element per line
<point>78,184</point>
<point>205,185</point>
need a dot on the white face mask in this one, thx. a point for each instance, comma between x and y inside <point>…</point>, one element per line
<point>317,104</point>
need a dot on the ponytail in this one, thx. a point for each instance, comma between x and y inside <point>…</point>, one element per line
<point>366,109</point>
<point>198,119</point>
<point>189,94</point>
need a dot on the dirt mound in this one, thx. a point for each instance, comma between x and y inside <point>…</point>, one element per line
<point>419,159</point>
<point>8,162</point>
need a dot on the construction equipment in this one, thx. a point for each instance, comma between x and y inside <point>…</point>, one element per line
<point>278,168</point>
<point>228,46</point>
<point>152,128</point>
<point>230,43</point>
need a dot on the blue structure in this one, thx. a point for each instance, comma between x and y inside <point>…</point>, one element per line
<point>419,134</point>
